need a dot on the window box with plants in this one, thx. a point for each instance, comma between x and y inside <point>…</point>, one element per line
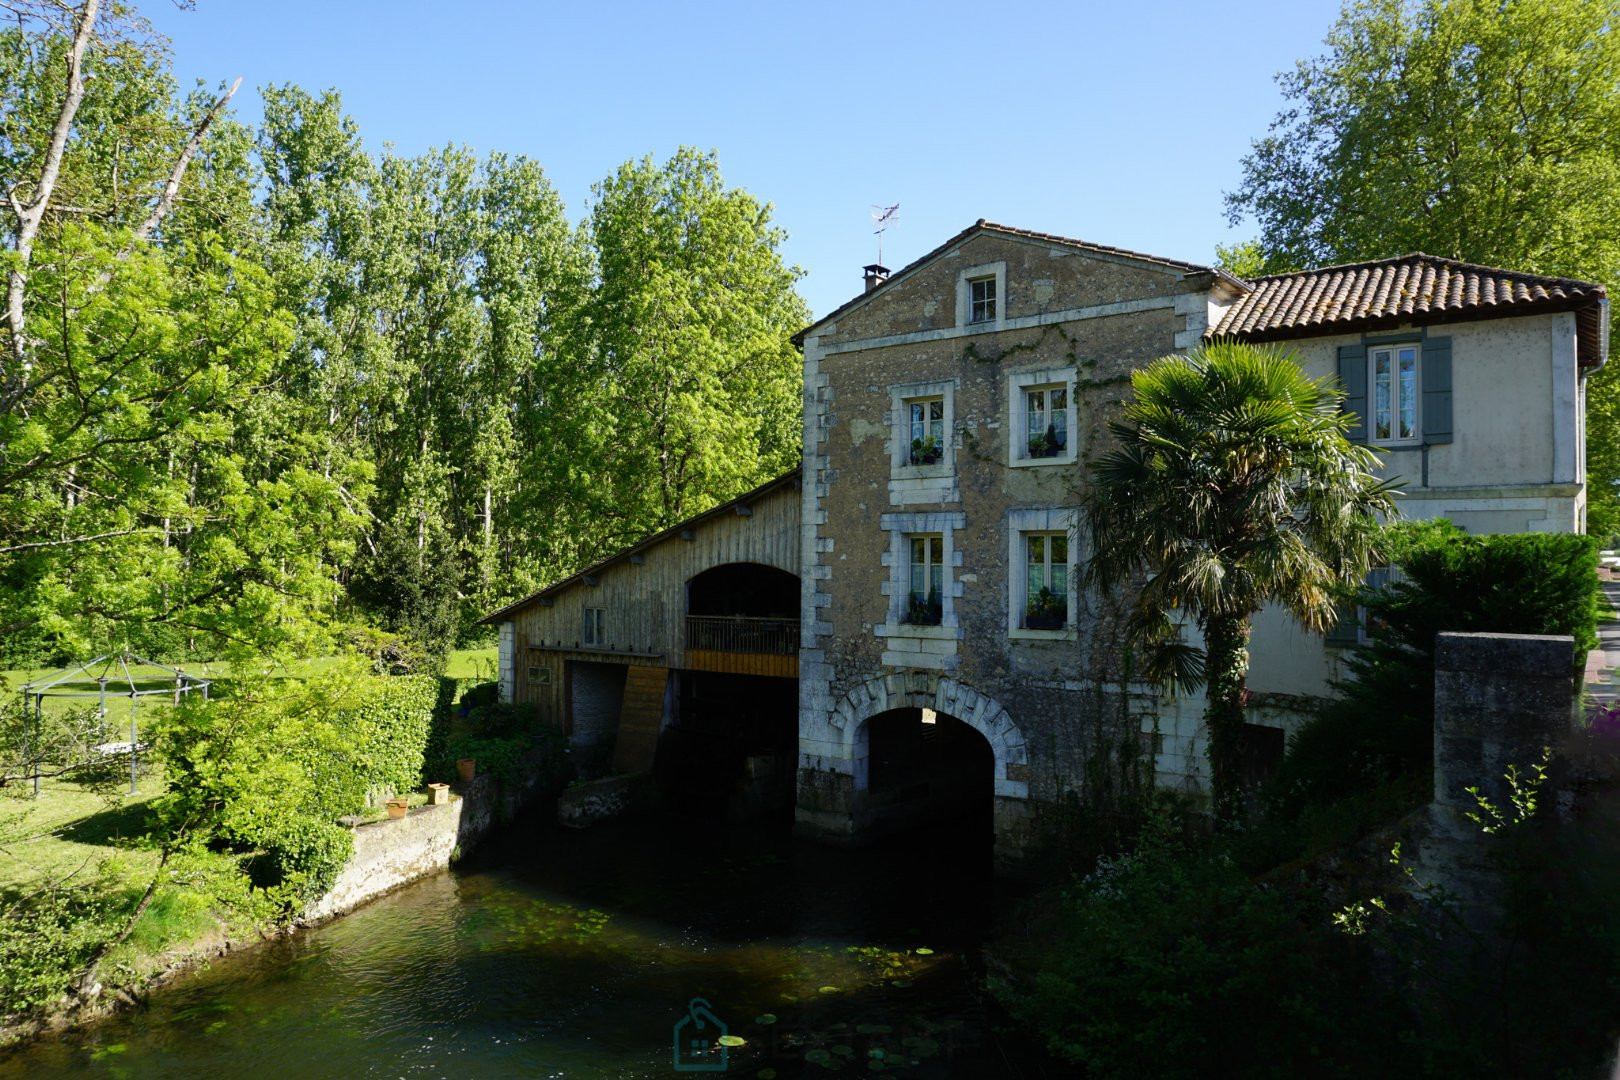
<point>926,451</point>
<point>1049,443</point>
<point>1046,611</point>
<point>924,612</point>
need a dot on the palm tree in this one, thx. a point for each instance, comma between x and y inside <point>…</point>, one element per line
<point>1232,486</point>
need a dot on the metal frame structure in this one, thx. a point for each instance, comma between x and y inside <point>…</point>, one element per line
<point>57,686</point>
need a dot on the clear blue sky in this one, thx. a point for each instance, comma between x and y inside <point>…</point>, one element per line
<point>1113,123</point>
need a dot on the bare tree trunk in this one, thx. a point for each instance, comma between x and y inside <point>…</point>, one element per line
<point>31,214</point>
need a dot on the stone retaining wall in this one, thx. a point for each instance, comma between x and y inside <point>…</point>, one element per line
<point>397,851</point>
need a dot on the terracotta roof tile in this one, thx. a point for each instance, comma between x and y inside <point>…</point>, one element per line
<point>1412,288</point>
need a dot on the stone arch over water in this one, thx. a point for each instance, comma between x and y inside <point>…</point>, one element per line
<point>932,690</point>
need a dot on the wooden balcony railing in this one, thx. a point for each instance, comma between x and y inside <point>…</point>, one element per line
<point>743,634</point>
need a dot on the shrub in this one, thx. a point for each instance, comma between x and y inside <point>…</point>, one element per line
<point>1382,725</point>
<point>270,770</point>
<point>47,937</point>
<point>1172,962</point>
<point>307,854</point>
<point>498,755</point>
<point>487,693</point>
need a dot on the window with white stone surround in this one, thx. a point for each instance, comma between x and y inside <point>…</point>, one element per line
<point>922,442</point>
<point>1042,426</point>
<point>924,562</point>
<point>1043,562</point>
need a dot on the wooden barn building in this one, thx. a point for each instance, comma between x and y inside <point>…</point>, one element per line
<point>692,635</point>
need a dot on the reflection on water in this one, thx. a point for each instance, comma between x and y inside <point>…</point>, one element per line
<point>574,954</point>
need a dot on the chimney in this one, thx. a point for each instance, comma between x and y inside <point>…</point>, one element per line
<point>875,275</point>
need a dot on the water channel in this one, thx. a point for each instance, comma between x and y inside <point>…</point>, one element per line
<point>554,953</point>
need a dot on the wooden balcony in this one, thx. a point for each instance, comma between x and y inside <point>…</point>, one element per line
<point>743,645</point>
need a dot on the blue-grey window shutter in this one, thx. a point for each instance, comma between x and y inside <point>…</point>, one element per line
<point>1436,377</point>
<point>1347,630</point>
<point>1353,375</point>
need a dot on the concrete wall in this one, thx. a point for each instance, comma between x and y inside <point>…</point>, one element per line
<point>1499,699</point>
<point>390,853</point>
<point>1040,697</point>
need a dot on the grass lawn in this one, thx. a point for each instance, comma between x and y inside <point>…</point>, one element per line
<point>71,828</point>
<point>464,664</point>
<point>72,862</point>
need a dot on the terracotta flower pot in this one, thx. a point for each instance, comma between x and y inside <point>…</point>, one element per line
<point>438,794</point>
<point>397,807</point>
<point>466,768</point>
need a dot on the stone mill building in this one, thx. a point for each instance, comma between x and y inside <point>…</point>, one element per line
<point>895,636</point>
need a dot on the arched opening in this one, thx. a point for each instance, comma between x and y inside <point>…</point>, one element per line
<point>732,748</point>
<point>748,590</point>
<point>919,769</point>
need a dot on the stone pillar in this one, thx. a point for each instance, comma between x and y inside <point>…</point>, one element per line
<point>1498,699</point>
<point>507,670</point>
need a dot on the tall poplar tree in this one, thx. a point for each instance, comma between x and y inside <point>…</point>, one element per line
<point>697,387</point>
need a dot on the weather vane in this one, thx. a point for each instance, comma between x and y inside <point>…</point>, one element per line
<point>882,216</point>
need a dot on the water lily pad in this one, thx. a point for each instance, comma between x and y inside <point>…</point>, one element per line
<point>901,983</point>
<point>844,1051</point>
<point>924,952</point>
<point>765,1074</point>
<point>877,1052</point>
<point>765,1018</point>
<point>873,1029</point>
<point>829,990</point>
<point>732,1040</point>
<point>876,1065</point>
<point>818,1056</point>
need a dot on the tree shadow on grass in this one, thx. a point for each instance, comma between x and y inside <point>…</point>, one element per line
<point>110,827</point>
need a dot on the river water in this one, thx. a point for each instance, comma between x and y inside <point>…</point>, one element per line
<point>555,953</point>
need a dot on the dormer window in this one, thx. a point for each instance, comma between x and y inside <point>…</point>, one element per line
<point>982,300</point>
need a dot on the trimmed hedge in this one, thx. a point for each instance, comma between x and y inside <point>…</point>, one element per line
<point>390,726</point>
<point>270,770</point>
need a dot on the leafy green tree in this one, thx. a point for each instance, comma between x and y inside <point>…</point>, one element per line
<point>151,492</point>
<point>1231,486</point>
<point>696,385</point>
<point>1474,129</point>
<point>432,293</point>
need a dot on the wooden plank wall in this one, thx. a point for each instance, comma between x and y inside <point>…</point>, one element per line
<point>644,605</point>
